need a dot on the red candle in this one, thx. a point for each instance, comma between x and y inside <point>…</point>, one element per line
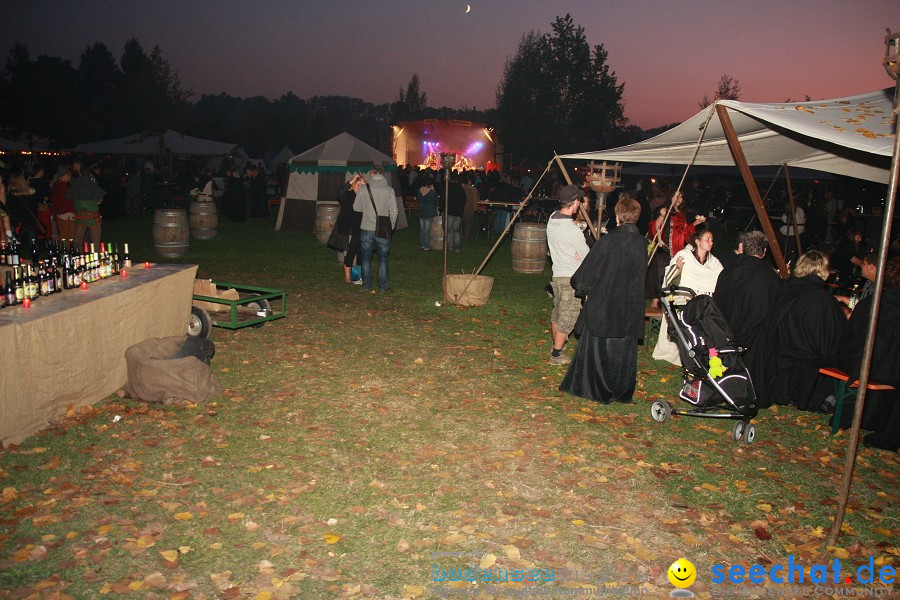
<point>84,285</point>
<point>123,273</point>
<point>146,265</point>
<point>26,302</point>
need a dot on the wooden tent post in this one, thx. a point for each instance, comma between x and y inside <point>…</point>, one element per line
<point>793,223</point>
<point>741,161</point>
<point>581,211</point>
<point>865,365</point>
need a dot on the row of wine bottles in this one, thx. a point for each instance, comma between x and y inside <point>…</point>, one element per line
<point>62,272</point>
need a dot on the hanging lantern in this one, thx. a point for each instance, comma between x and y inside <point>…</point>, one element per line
<point>891,60</point>
<point>605,177</point>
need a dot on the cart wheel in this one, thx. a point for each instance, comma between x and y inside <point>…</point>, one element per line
<point>750,434</point>
<point>660,411</point>
<point>261,304</point>
<point>737,431</point>
<point>199,325</point>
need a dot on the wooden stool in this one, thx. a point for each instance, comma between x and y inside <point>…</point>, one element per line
<point>653,316</point>
<point>842,392</point>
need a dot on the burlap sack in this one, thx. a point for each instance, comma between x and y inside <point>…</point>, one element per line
<point>153,376</point>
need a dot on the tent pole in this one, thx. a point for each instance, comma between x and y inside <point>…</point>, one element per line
<point>741,161</point>
<point>866,363</point>
<point>794,226</point>
<point>508,225</point>
<point>581,211</point>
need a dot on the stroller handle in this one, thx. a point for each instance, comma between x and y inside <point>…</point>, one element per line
<point>676,290</point>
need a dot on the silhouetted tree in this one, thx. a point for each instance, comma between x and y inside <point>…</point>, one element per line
<point>727,89</point>
<point>558,94</point>
<point>152,92</point>
<point>411,103</point>
<point>36,97</point>
<point>99,98</point>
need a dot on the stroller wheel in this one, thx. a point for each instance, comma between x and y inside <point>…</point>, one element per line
<point>660,411</point>
<point>750,434</point>
<point>737,431</point>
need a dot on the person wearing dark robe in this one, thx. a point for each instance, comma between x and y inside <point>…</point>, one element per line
<point>745,293</point>
<point>802,335</point>
<point>259,199</point>
<point>881,412</point>
<point>604,367</point>
<point>233,197</point>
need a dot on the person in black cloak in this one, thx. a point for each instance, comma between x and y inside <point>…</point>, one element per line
<point>802,335</point>
<point>604,367</point>
<point>745,293</point>
<point>882,409</point>
<point>233,198</point>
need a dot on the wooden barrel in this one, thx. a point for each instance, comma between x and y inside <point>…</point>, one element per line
<point>437,233</point>
<point>171,233</point>
<point>326,217</point>
<point>529,248</point>
<point>204,220</point>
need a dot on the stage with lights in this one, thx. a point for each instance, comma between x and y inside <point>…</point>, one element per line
<point>421,143</point>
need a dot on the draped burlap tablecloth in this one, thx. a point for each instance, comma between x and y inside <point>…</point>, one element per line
<point>68,350</point>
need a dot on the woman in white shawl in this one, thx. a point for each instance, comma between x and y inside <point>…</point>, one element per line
<point>693,267</point>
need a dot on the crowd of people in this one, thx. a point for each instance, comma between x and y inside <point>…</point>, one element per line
<point>788,328</point>
<point>36,202</point>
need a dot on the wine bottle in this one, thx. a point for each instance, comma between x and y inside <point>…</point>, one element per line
<point>10,289</point>
<point>126,258</point>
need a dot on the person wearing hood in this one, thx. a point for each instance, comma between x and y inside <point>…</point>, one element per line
<point>745,293</point>
<point>375,199</point>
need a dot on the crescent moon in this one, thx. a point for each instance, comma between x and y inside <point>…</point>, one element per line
<point>468,8</point>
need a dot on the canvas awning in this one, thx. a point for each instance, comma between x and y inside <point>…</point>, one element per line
<point>850,136</point>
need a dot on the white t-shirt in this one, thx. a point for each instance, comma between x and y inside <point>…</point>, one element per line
<point>566,243</point>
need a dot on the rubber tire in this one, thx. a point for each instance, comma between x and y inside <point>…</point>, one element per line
<point>261,304</point>
<point>200,323</point>
<point>749,434</point>
<point>737,431</point>
<point>660,411</point>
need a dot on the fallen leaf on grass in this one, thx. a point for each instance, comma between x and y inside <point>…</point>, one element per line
<point>169,555</point>
<point>331,538</point>
<point>413,591</point>
<point>184,516</point>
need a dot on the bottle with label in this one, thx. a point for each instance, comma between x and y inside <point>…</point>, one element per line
<point>43,279</point>
<point>854,296</point>
<point>32,289</point>
<point>126,258</point>
<point>19,286</point>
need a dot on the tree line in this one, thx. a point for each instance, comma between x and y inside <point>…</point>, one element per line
<point>557,93</point>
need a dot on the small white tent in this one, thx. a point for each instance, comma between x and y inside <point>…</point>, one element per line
<point>282,157</point>
<point>149,144</point>
<point>850,136</point>
<point>317,174</point>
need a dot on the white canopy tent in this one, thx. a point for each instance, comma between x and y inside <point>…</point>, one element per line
<point>147,144</point>
<point>846,136</point>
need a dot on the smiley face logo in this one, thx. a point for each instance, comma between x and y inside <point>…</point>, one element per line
<point>682,573</point>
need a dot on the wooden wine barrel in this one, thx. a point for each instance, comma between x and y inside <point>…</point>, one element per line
<point>204,220</point>
<point>437,233</point>
<point>171,234</point>
<point>529,248</point>
<point>326,217</point>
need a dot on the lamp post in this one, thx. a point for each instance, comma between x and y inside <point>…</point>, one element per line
<point>891,64</point>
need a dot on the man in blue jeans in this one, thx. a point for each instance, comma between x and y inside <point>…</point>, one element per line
<point>373,199</point>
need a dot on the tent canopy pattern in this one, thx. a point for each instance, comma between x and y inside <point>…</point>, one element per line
<point>150,145</point>
<point>850,136</point>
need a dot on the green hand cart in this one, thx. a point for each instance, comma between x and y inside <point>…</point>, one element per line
<point>245,306</point>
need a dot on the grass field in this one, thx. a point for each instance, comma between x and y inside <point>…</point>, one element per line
<point>370,444</point>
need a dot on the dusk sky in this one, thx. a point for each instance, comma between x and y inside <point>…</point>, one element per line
<point>668,53</point>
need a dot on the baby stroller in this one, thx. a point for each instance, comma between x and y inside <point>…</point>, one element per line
<point>717,385</point>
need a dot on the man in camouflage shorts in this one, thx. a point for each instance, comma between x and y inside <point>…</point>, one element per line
<point>568,248</point>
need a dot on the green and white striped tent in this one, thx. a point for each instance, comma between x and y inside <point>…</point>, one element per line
<point>317,174</point>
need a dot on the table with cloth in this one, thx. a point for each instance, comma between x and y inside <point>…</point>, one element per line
<point>68,349</point>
